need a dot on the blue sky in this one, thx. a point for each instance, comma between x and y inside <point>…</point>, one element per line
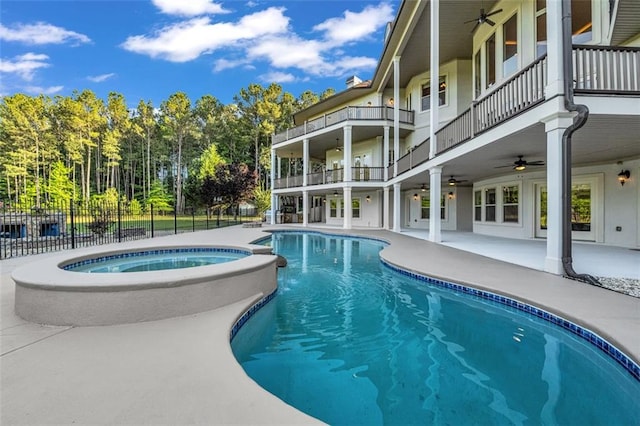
<point>149,49</point>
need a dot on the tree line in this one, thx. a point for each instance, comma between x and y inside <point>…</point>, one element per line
<point>81,147</point>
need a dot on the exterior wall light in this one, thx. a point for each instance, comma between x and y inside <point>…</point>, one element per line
<point>368,198</point>
<point>451,195</point>
<point>623,176</point>
<point>415,197</point>
<point>335,193</point>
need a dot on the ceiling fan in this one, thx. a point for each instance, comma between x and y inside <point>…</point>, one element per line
<point>483,19</point>
<point>521,164</point>
<point>453,181</point>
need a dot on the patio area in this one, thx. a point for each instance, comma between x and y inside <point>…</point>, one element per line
<point>617,268</point>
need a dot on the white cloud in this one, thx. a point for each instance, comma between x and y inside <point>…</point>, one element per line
<point>288,51</point>
<point>355,26</point>
<point>100,78</point>
<point>223,64</point>
<point>37,90</point>
<point>277,77</point>
<point>266,36</point>
<point>24,65</point>
<point>41,33</point>
<point>348,63</point>
<point>188,40</point>
<point>189,7</point>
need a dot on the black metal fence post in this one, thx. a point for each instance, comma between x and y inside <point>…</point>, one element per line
<point>152,229</point>
<point>193,219</point>
<point>175,219</point>
<point>73,225</point>
<point>119,223</point>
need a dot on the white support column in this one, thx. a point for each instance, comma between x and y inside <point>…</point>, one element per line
<point>555,74</point>
<point>396,114</point>
<point>305,208</point>
<point>555,127</point>
<point>305,161</point>
<point>279,171</point>
<point>346,220</point>
<point>396,207</point>
<point>346,131</point>
<point>274,208</point>
<point>435,79</point>
<point>273,180</point>
<point>435,225</point>
<point>385,153</point>
<point>386,208</point>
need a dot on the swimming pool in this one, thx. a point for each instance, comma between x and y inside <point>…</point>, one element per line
<point>351,341</point>
<point>156,260</point>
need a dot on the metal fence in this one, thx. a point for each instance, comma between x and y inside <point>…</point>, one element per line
<point>26,230</point>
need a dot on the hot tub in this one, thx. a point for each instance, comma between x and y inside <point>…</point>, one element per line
<point>46,293</point>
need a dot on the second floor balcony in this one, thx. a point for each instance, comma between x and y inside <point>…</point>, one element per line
<point>325,177</point>
<point>349,113</point>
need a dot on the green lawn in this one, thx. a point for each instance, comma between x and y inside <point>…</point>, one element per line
<point>163,224</point>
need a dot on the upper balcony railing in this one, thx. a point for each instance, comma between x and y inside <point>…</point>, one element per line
<point>366,113</point>
<point>606,69</point>
<point>596,70</point>
<point>358,174</point>
<point>516,95</point>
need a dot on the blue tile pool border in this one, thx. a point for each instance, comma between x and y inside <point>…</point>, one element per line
<point>602,344</point>
<point>124,255</point>
<point>249,313</point>
<point>586,334</point>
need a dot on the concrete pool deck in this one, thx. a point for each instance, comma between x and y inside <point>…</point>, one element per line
<point>181,370</point>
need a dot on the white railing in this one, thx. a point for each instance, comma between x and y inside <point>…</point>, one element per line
<point>606,69</point>
<point>366,113</point>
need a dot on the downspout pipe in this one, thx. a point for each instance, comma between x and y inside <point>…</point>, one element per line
<point>578,121</point>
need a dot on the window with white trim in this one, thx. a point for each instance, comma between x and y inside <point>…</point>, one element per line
<point>426,94</point>
<point>541,27</point>
<point>510,46</point>
<point>333,207</point>
<point>477,73</point>
<point>477,206</point>
<point>425,206</point>
<point>490,205</point>
<point>510,204</point>
<point>490,60</point>
<point>355,208</point>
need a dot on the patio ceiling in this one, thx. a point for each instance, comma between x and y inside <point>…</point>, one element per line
<point>456,39</point>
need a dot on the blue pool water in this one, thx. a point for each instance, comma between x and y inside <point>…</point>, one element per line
<point>156,260</point>
<point>350,341</point>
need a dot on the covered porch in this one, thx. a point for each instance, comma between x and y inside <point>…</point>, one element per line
<point>617,268</point>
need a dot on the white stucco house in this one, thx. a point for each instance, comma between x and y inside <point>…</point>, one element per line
<point>532,134</point>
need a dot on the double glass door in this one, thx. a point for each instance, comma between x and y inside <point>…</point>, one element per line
<point>582,210</point>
